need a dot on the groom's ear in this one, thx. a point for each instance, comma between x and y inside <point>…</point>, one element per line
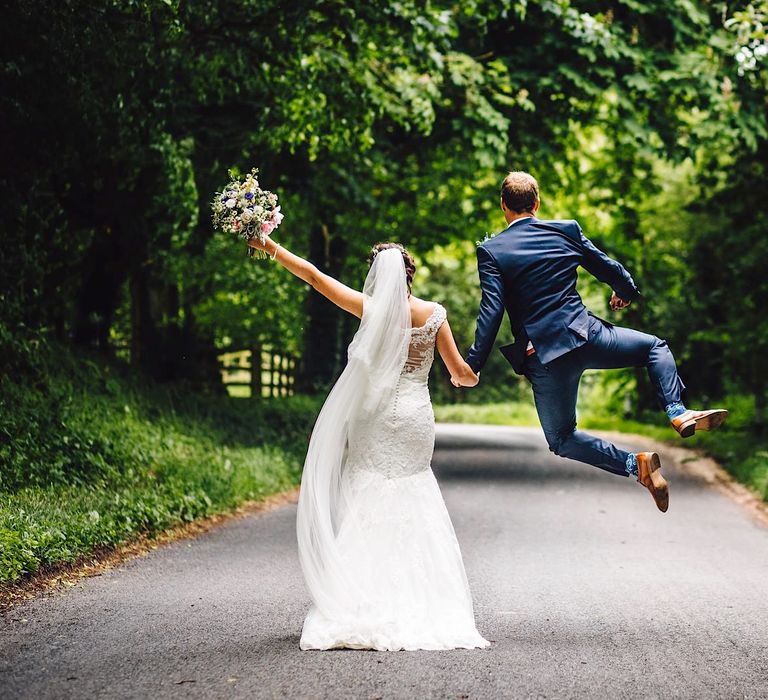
<point>536,206</point>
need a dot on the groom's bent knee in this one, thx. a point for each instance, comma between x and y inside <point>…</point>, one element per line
<point>557,441</point>
<point>659,351</point>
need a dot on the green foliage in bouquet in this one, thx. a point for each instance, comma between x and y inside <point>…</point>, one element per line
<point>243,208</point>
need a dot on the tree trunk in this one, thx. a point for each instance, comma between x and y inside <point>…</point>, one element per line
<point>256,371</point>
<point>322,337</point>
<point>144,335</point>
<point>103,273</point>
<point>760,405</point>
<point>197,358</point>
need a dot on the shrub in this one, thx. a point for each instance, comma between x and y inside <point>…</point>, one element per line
<point>93,455</point>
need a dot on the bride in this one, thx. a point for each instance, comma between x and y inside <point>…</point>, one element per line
<point>376,545</point>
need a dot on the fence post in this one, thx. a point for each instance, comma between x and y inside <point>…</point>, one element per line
<point>256,371</point>
<point>274,377</point>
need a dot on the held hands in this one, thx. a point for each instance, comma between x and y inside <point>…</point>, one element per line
<point>468,379</point>
<point>617,303</point>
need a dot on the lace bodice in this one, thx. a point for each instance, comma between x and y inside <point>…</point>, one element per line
<point>421,352</point>
<point>399,441</point>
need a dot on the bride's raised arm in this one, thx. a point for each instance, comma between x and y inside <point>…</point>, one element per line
<point>344,297</point>
<point>461,372</point>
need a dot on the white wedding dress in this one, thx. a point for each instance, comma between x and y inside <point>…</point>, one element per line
<point>392,578</point>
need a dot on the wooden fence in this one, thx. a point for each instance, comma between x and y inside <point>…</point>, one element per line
<point>275,373</point>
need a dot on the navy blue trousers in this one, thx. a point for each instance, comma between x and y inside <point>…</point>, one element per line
<point>556,385</point>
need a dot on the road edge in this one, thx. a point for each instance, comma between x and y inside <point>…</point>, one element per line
<point>60,578</point>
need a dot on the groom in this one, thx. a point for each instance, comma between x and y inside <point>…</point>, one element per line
<point>529,269</point>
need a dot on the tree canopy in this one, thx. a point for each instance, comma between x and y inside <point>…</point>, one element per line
<point>373,120</point>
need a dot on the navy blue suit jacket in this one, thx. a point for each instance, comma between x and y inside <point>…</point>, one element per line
<point>529,269</point>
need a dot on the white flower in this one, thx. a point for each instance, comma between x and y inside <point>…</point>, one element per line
<point>230,203</point>
<point>258,210</point>
<point>246,216</point>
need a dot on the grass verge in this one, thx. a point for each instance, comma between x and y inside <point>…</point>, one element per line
<point>92,457</point>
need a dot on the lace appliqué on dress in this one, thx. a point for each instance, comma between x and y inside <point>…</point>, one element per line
<point>399,442</point>
<point>421,352</point>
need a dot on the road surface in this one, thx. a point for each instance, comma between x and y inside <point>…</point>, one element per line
<point>585,589</point>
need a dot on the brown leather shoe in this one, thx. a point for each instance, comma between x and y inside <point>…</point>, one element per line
<point>649,475</point>
<point>689,422</point>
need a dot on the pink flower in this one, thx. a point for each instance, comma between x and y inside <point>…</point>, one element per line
<point>277,216</point>
<point>267,227</point>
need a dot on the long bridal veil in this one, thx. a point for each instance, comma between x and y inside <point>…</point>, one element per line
<point>376,358</point>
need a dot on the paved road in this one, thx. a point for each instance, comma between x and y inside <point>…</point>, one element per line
<point>584,588</point>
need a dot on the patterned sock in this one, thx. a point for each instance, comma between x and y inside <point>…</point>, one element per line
<point>631,465</point>
<point>675,409</point>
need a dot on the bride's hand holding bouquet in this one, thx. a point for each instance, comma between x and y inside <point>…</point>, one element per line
<point>251,213</point>
<point>263,244</point>
<point>243,208</point>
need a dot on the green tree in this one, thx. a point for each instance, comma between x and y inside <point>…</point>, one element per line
<point>372,119</point>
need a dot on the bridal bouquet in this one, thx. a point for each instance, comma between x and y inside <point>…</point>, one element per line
<point>243,208</point>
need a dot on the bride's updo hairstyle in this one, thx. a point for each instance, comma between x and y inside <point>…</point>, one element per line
<point>410,264</point>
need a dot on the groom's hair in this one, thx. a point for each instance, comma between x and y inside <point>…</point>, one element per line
<point>520,192</point>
